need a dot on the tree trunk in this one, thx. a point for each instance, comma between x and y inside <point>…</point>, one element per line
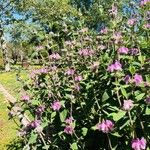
<point>5,57</point>
<point>4,49</point>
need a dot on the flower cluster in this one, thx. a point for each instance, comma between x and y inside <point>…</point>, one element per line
<point>115,67</point>
<point>105,126</point>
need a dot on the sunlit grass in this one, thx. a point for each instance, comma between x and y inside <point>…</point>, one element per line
<point>9,81</point>
<point>8,128</point>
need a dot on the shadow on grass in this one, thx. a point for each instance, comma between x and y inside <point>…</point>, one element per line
<point>15,144</point>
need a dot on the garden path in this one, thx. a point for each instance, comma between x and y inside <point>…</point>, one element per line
<point>8,96</point>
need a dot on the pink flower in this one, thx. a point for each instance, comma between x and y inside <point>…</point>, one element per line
<point>55,56</point>
<point>69,120</point>
<point>144,2</point>
<point>43,70</point>
<point>117,37</point>
<point>138,79</point>
<point>68,43</point>
<point>138,144</point>
<point>35,123</point>
<point>84,30</point>
<point>117,66</point>
<point>134,51</point>
<point>123,50</point>
<point>106,126</point>
<point>111,68</point>
<point>114,10</point>
<point>146,26</point>
<point>25,97</point>
<point>70,72</point>
<point>86,52</point>
<point>127,78</point>
<point>104,31</point>
<point>56,106</point>
<point>77,87</point>
<point>78,78</point>
<point>148,100</point>
<point>40,47</point>
<point>69,129</point>
<point>101,47</point>
<point>40,109</point>
<point>128,105</point>
<point>114,67</point>
<point>131,21</point>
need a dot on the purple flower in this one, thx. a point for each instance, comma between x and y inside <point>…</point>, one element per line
<point>117,66</point>
<point>40,47</point>
<point>117,37</point>
<point>111,68</point>
<point>148,100</point>
<point>35,123</point>
<point>104,31</point>
<point>134,51</point>
<point>78,78</point>
<point>128,105</point>
<point>77,87</point>
<point>138,144</point>
<point>55,56</point>
<point>146,26</point>
<point>86,52</point>
<point>68,43</point>
<point>43,70</point>
<point>138,79</point>
<point>123,50</point>
<point>114,67</point>
<point>144,2</point>
<point>127,78</point>
<point>114,10</point>
<point>69,129</point>
<point>106,126</point>
<point>56,106</point>
<point>69,120</point>
<point>25,97</point>
<point>40,109</point>
<point>84,30</point>
<point>70,72</point>
<point>131,21</point>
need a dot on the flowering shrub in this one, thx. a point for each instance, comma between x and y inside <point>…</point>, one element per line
<point>95,92</point>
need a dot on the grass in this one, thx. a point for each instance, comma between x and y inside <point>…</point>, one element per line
<point>7,127</point>
<point>9,81</point>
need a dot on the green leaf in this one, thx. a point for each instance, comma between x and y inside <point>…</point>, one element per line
<point>147,112</point>
<point>63,115</point>
<point>117,116</point>
<point>74,146</point>
<point>33,138</point>
<point>116,134</point>
<point>35,102</point>
<point>84,131</point>
<point>124,93</point>
<point>53,114</point>
<point>132,69</point>
<point>140,96</point>
<point>105,96</point>
<point>94,128</point>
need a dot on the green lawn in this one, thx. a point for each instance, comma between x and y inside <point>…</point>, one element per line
<point>8,130</point>
<point>8,80</point>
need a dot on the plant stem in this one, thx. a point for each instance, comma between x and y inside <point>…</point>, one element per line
<point>109,141</point>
